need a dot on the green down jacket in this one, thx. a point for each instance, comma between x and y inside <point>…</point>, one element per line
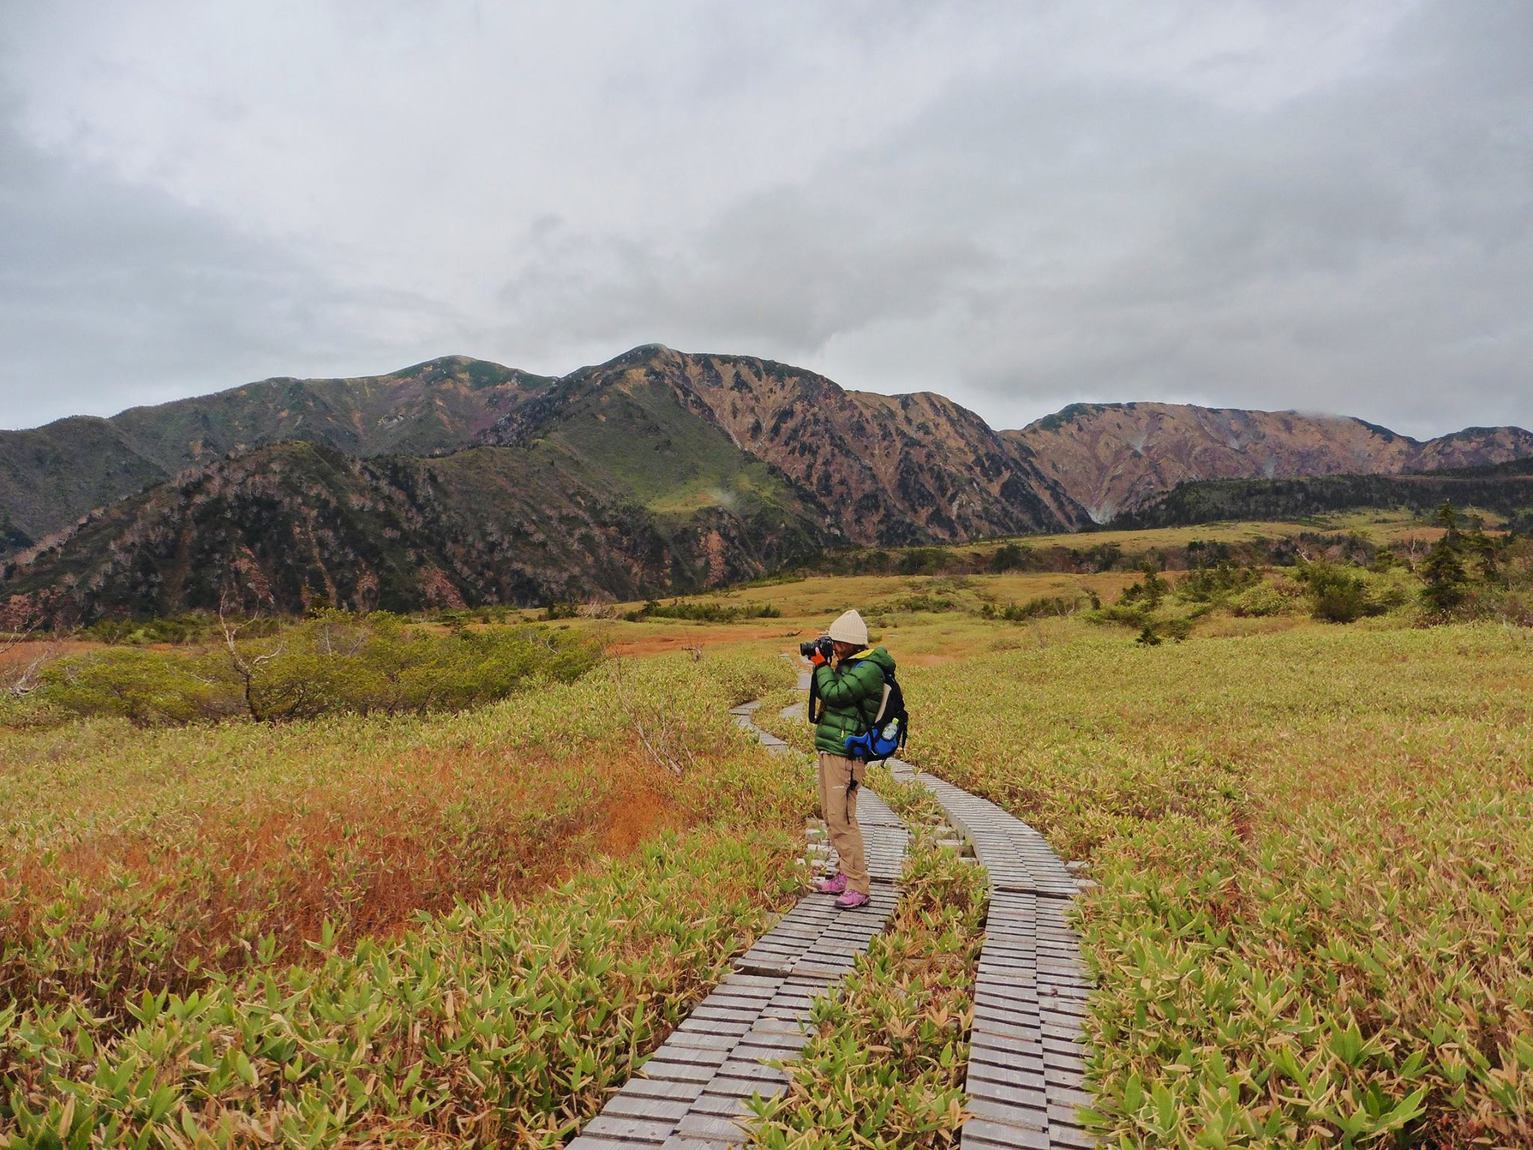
<point>849,698</point>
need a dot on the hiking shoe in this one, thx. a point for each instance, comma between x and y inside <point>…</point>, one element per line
<point>852,899</point>
<point>831,885</point>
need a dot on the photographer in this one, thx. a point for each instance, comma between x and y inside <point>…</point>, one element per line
<point>850,694</point>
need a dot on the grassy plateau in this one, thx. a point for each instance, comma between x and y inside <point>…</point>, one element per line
<point>464,922</point>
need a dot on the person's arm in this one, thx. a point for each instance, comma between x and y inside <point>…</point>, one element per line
<point>844,689</point>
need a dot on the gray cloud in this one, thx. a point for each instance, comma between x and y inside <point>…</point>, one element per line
<point>113,295</point>
<point>1246,204</point>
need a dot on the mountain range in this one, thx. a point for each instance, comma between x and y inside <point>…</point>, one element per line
<point>461,482</point>
<point>1116,458</point>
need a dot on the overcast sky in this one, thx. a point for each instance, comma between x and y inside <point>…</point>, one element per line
<point>1326,206</point>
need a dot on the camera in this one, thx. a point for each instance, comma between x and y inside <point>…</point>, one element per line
<point>823,645</point>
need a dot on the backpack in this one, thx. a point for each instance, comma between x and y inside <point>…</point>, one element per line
<point>890,726</point>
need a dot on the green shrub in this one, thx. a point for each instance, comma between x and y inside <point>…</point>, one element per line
<point>935,604</point>
<point>147,688</point>
<point>1262,599</point>
<point>1148,591</point>
<point>179,629</point>
<point>1038,607</point>
<point>334,662</point>
<point>1154,631</point>
<point>1337,594</point>
<point>924,561</point>
<point>1216,584</point>
<point>704,611</point>
<point>1102,557</point>
<point>1010,557</point>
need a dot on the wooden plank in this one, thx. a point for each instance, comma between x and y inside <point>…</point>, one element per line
<point>726,1130</point>
<point>650,1130</point>
<point>662,1088</point>
<point>635,1106</point>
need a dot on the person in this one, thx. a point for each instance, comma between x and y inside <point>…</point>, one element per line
<point>850,688</point>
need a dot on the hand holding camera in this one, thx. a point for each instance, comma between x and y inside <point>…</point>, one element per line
<point>818,651</point>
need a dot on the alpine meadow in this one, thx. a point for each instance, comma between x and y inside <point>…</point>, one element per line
<point>700,575</point>
<point>375,916</point>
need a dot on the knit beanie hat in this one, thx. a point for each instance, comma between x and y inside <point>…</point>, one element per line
<point>850,628</point>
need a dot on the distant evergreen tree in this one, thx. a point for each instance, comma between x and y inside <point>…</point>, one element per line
<point>1337,594</point>
<point>1155,587</point>
<point>1443,571</point>
<point>1010,557</point>
<point>1484,549</point>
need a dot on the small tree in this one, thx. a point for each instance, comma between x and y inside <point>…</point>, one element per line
<point>1447,581</point>
<point>250,669</point>
<point>1337,595</point>
<point>1155,587</point>
<point>1008,558</point>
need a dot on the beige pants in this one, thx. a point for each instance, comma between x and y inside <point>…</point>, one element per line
<point>838,803</point>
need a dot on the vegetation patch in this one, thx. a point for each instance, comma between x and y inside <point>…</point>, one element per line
<point>157,860</point>
<point>498,1023</point>
<point>332,663</point>
<point>1315,851</point>
<point>703,611</point>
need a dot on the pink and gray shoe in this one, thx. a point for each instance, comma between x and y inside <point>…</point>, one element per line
<point>853,899</point>
<point>831,885</point>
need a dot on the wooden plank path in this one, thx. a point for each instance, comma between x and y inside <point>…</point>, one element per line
<point>691,1093</point>
<point>1026,1058</point>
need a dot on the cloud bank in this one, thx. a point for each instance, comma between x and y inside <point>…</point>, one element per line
<point>1243,204</point>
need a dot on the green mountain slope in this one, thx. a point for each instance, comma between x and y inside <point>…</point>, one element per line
<point>634,436</point>
<point>283,526</point>
<point>1506,489</point>
<point>49,476</point>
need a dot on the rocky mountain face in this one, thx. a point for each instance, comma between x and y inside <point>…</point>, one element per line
<point>1116,458</point>
<point>889,470</point>
<point>462,482</point>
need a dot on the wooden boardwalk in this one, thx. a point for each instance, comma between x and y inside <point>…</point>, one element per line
<point>1024,1078</point>
<point>691,1093</point>
<point>1026,1059</point>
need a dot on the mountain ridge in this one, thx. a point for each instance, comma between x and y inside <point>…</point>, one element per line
<point>674,472</point>
<point>874,454</point>
<point>1504,489</point>
<point>430,406</point>
<point>1114,458</point>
